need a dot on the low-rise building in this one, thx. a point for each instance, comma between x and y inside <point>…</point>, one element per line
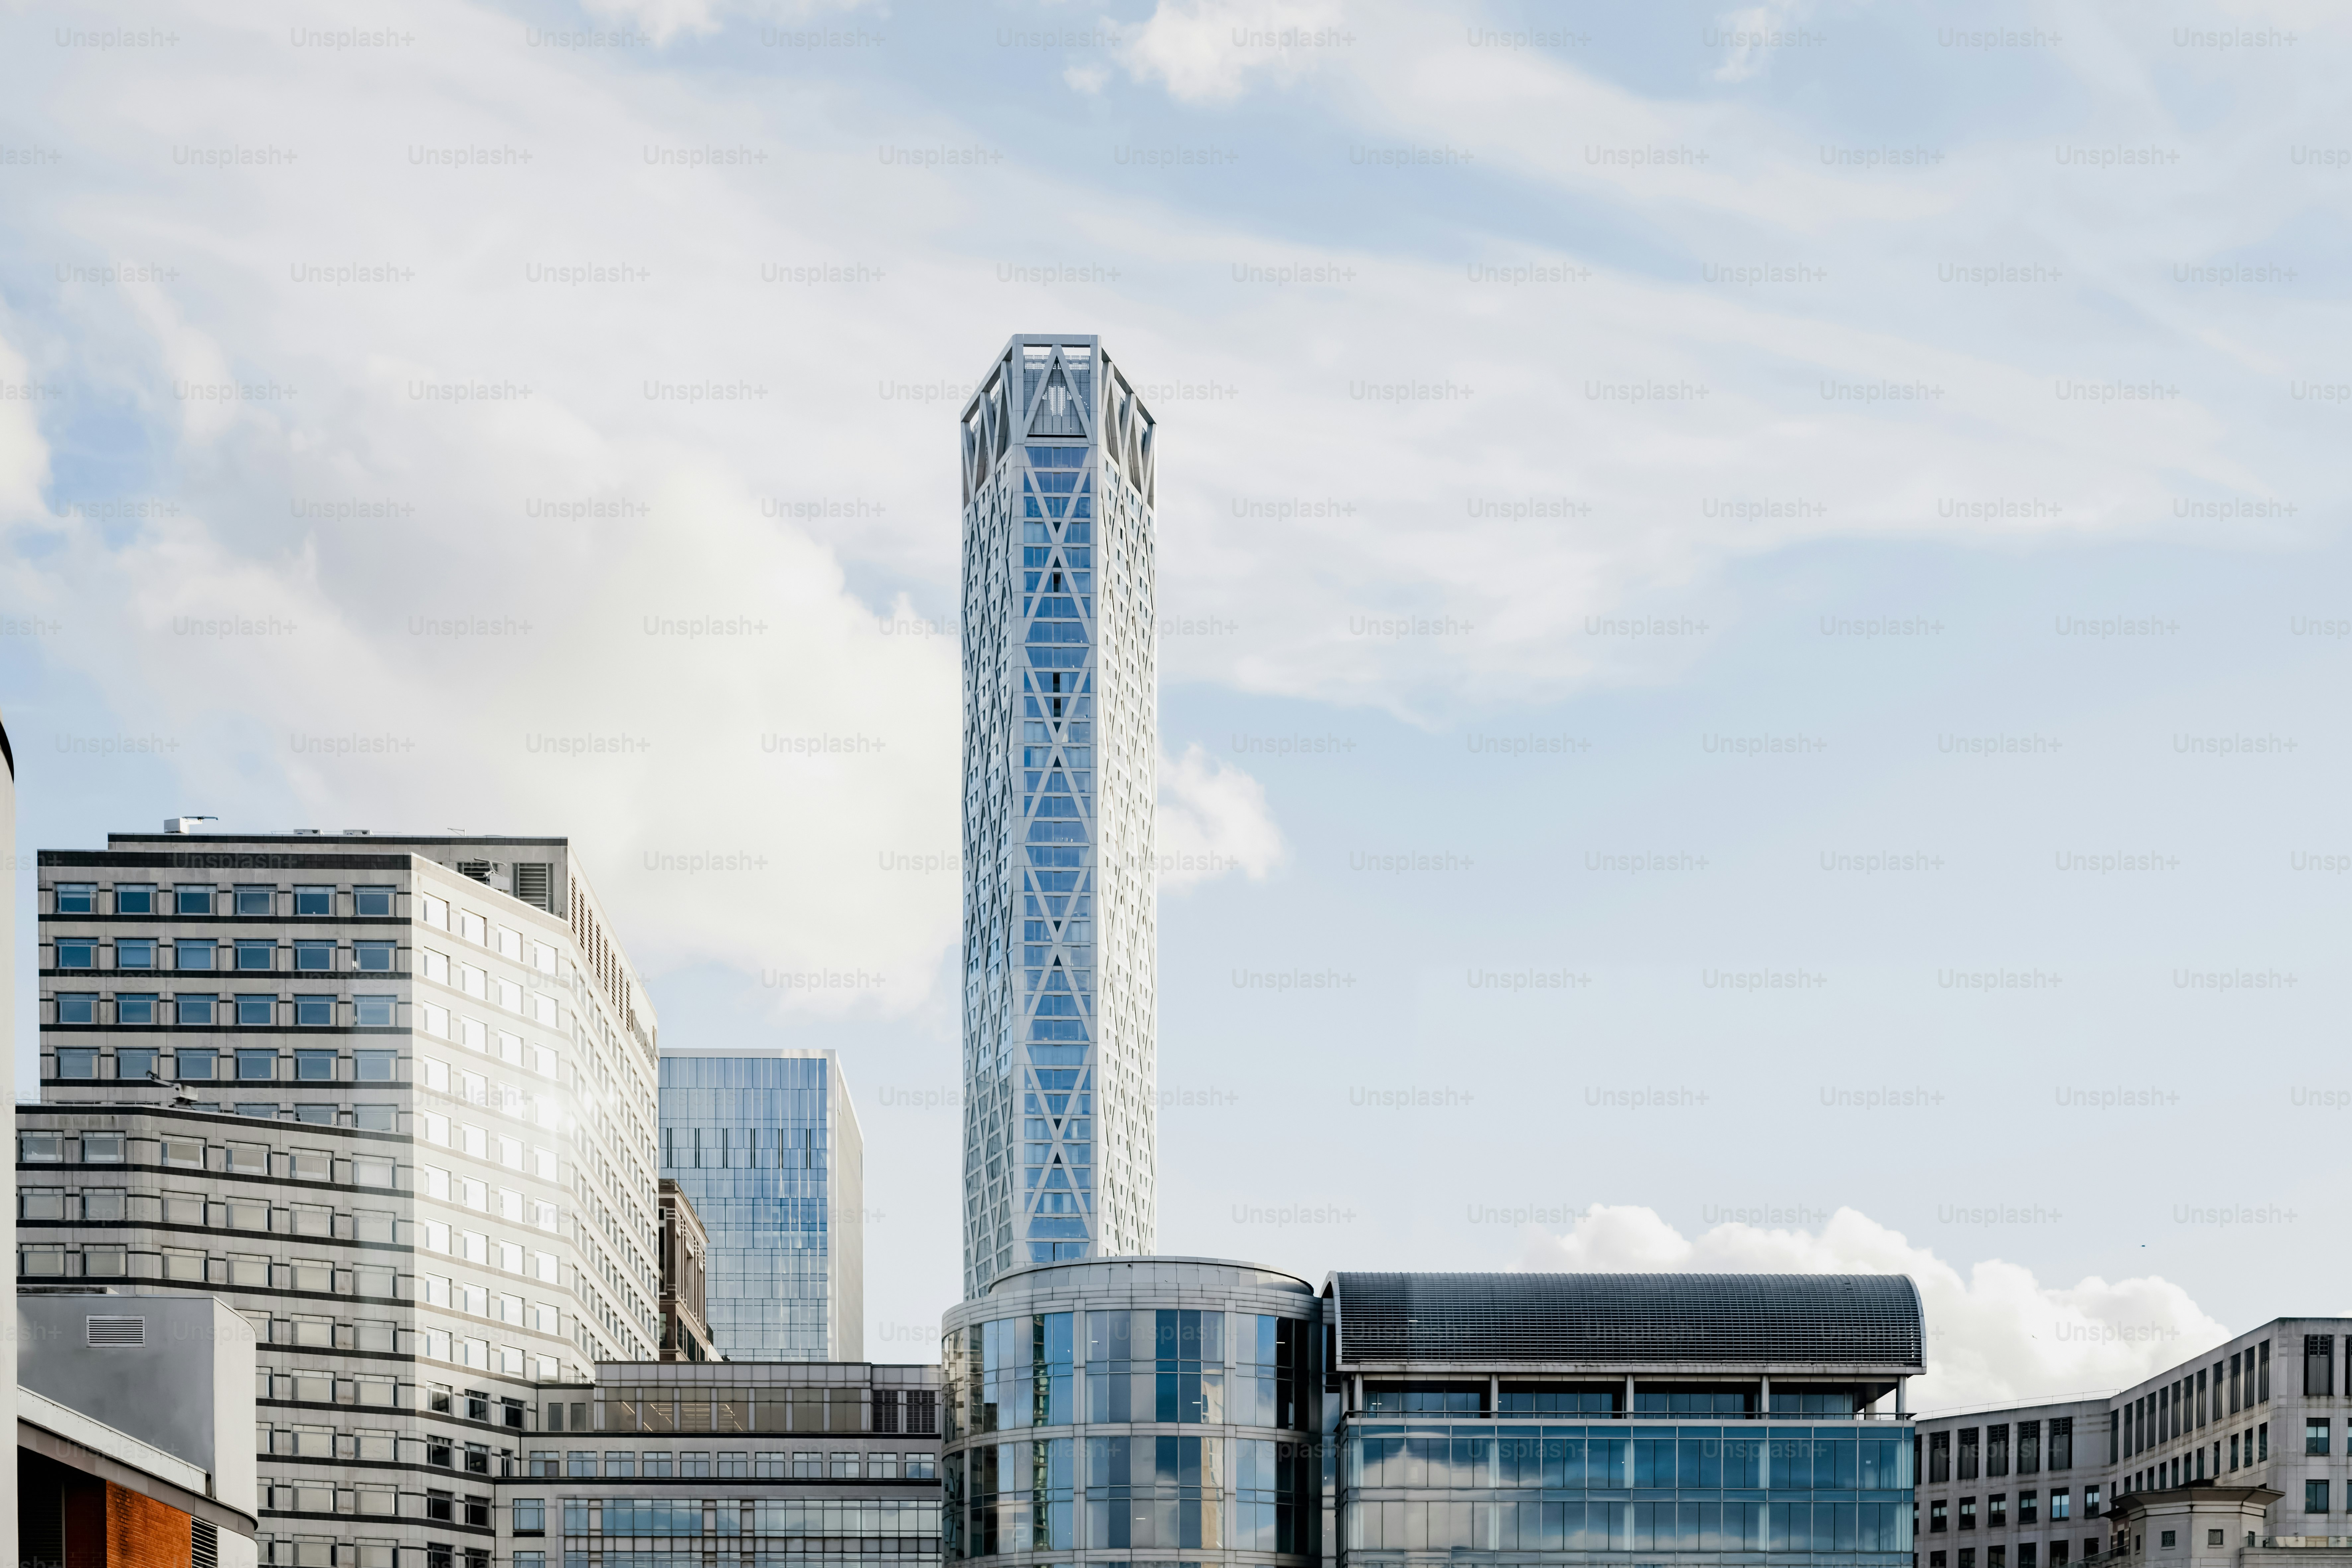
<point>774,1463</point>
<point>685,1258</point>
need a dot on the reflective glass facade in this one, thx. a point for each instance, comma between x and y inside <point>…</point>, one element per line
<point>1792,1494</point>
<point>766,1147</point>
<point>1085,1417</point>
<point>1060,725</point>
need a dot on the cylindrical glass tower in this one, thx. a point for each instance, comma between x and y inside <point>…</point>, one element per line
<point>1146,1407</point>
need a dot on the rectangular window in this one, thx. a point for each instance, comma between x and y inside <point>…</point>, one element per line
<point>2263,1374</point>
<point>134,899</point>
<point>2090,1502</point>
<point>529,1516</point>
<point>137,1007</point>
<point>257,956</point>
<point>188,900</point>
<point>77,953</point>
<point>2315,1434</point>
<point>376,901</point>
<point>1997,1511</point>
<point>1939,1456</point>
<point>2233,1450</point>
<point>136,1066</point>
<point>2318,1365</point>
<point>2029,1448</point>
<point>314,1012</point>
<point>134,952</point>
<point>257,901</point>
<point>373,957</point>
<point>314,903</point>
<point>1936,1523</point>
<point>256,1067</point>
<point>192,956</point>
<point>193,1067</point>
<point>1967,1556</point>
<point>78,1007</point>
<point>2262,1443</point>
<point>1997,1450</point>
<point>2235,1356</point>
<point>2028,1508</point>
<point>1968,1454</point>
<point>314,1066</point>
<point>77,898</point>
<point>2315,1496</point>
<point>2061,1505</point>
<point>2026,1552</point>
<point>2062,1443</point>
<point>74,1064</point>
<point>1967,1513</point>
<point>314,957</point>
<point>373,1012</point>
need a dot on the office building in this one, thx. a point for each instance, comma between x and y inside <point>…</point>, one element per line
<point>790,1464</point>
<point>1696,1418</point>
<point>2266,1418</point>
<point>1060,754</point>
<point>390,1099</point>
<point>765,1144</point>
<point>685,1259</point>
<point>1165,1407</point>
<point>135,1434</point>
<point>1223,1412</point>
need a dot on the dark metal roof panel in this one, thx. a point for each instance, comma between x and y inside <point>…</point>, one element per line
<point>1488,1319</point>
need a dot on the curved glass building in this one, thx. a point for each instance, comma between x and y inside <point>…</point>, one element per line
<point>1060,754</point>
<point>1133,1408</point>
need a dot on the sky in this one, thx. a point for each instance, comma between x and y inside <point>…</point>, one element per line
<point>1754,616</point>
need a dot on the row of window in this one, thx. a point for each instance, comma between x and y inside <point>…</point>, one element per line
<point>2029,1509</point>
<point>247,1065</point>
<point>248,1011</point>
<point>2194,1399</point>
<point>2029,1553</point>
<point>49,1148</point>
<point>193,955</point>
<point>246,899</point>
<point>767,1465</point>
<point>2251,1447</point>
<point>1995,1450</point>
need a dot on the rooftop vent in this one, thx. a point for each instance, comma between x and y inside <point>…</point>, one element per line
<point>477,869</point>
<point>116,1332</point>
<point>534,882</point>
<point>185,824</point>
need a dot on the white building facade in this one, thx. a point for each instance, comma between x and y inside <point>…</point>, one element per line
<point>1060,747</point>
<point>394,1100</point>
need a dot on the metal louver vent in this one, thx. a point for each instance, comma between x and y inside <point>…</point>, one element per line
<point>204,1543</point>
<point>477,869</point>
<point>534,884</point>
<point>118,1332</point>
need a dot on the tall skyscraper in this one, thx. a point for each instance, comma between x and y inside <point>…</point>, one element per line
<point>1060,750</point>
<point>765,1145</point>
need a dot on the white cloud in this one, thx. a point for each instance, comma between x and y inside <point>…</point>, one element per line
<point>1994,1333</point>
<point>1214,819</point>
<point>23,455</point>
<point>1206,51</point>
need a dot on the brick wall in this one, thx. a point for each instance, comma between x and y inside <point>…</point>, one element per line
<point>108,1526</point>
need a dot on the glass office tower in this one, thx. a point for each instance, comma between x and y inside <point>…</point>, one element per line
<point>765,1145</point>
<point>1060,751</point>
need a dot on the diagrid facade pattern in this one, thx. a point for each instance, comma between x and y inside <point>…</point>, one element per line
<point>1060,749</point>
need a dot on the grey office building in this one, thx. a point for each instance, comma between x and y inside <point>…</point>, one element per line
<point>765,1144</point>
<point>2259,1427</point>
<point>1060,758</point>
